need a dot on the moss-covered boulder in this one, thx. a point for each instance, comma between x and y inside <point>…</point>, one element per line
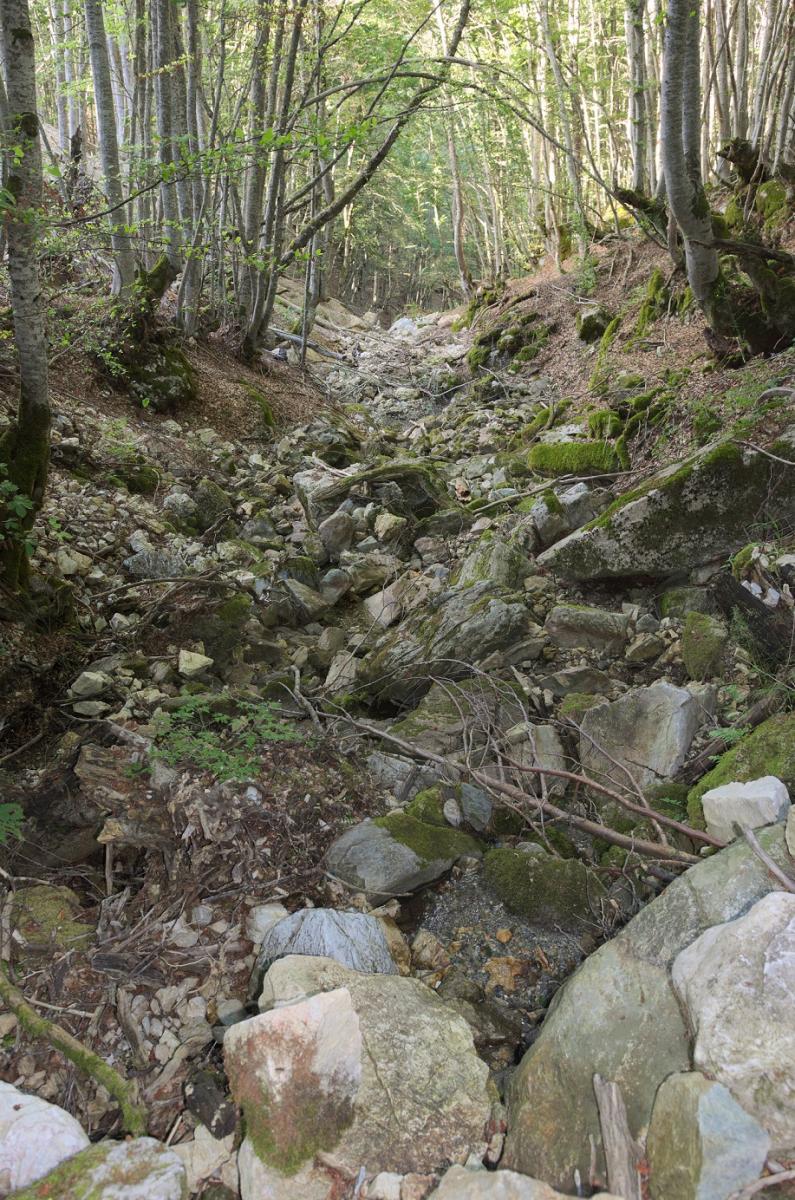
<point>592,321</point>
<point>494,558</point>
<point>140,1169</point>
<point>223,631</point>
<point>213,504</point>
<point>703,645</point>
<point>48,918</point>
<point>163,379</point>
<point>543,888</point>
<point>767,750</point>
<point>574,458</point>
<point>679,601</point>
<point>685,515</point>
<point>397,854</point>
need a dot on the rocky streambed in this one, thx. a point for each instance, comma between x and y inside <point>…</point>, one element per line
<point>423,744</point>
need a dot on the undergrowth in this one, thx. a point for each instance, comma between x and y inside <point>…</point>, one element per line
<point>223,735</point>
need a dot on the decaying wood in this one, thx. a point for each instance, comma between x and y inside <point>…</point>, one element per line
<point>622,1153</point>
<point>772,629</point>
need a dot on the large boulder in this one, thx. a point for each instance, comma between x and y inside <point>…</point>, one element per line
<point>352,938</point>
<point>34,1138</point>
<point>684,515</point>
<point>140,1169</point>
<point>398,1085</point>
<point>643,736</point>
<point>619,1015</point>
<point>736,983</point>
<point>395,855</point>
<point>760,802</point>
<point>574,625</point>
<point>701,1145</point>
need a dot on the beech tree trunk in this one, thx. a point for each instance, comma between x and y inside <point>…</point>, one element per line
<point>123,257</point>
<point>636,116</point>
<point>25,448</point>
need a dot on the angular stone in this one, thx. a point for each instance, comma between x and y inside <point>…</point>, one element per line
<point>296,1072</point>
<point>34,1138</point>
<point>790,832</point>
<point>587,628</point>
<point>701,1144</point>
<point>645,735</point>
<point>190,664</point>
<point>336,533</point>
<point>88,684</point>
<point>140,1169</point>
<point>736,983</point>
<point>496,560</point>
<point>761,802</point>
<point>354,939</point>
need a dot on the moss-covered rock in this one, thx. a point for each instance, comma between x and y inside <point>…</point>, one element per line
<point>48,918</point>
<point>163,380</point>
<point>223,630</point>
<point>679,601</point>
<point>503,562</point>
<point>576,705</point>
<point>655,301</point>
<point>681,517</point>
<point>573,458</point>
<point>428,806</point>
<point>767,750</point>
<point>771,202</point>
<point>592,321</point>
<point>136,1170</point>
<point>544,888</point>
<point>212,504</point>
<point>703,645</point>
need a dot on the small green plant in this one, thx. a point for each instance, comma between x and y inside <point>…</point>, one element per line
<point>14,508</point>
<point>11,817</point>
<point>222,735</point>
<point>730,734</point>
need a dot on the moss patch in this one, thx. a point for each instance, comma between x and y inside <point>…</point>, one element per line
<point>430,843</point>
<point>428,806</point>
<point>573,458</point>
<point>544,889</point>
<point>703,645</point>
<point>47,918</point>
<point>767,750</point>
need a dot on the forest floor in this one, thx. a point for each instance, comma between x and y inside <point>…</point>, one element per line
<point>166,869</point>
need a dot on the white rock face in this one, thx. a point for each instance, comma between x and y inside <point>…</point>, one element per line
<point>761,802</point>
<point>296,1073</point>
<point>206,1157</point>
<point>34,1138</point>
<point>737,983</point>
<point>789,834</point>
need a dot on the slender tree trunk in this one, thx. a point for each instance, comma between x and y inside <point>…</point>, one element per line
<point>636,117</point>
<point>123,258</point>
<point>164,105</point>
<point>456,190</point>
<point>25,448</point>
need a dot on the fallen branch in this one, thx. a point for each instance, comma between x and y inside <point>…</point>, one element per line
<point>774,869</point>
<point>134,1116</point>
<point>760,1185</point>
<point>638,845</point>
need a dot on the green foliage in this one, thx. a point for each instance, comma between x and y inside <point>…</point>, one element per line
<point>11,817</point>
<point>573,458</point>
<point>223,735</point>
<point>14,509</point>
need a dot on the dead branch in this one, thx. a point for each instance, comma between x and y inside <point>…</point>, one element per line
<point>760,1185</point>
<point>134,1116</point>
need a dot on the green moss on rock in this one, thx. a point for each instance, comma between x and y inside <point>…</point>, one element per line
<point>703,645</point>
<point>431,843</point>
<point>576,705</point>
<point>544,888</point>
<point>47,918</point>
<point>767,750</point>
<point>428,806</point>
<point>573,458</point>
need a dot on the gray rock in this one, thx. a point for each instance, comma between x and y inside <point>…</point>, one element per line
<point>587,680</point>
<point>571,509</point>
<point>572,625</point>
<point>761,802</point>
<point>701,1144</point>
<point>494,559</point>
<point>354,939</point>
<point>644,735</point>
<point>88,684</point>
<point>401,776</point>
<point>736,983</point>
<point>619,1015</point>
<point>372,858</point>
<point>156,564</point>
<point>336,533</point>
<point>790,832</point>
<point>35,1137</point>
